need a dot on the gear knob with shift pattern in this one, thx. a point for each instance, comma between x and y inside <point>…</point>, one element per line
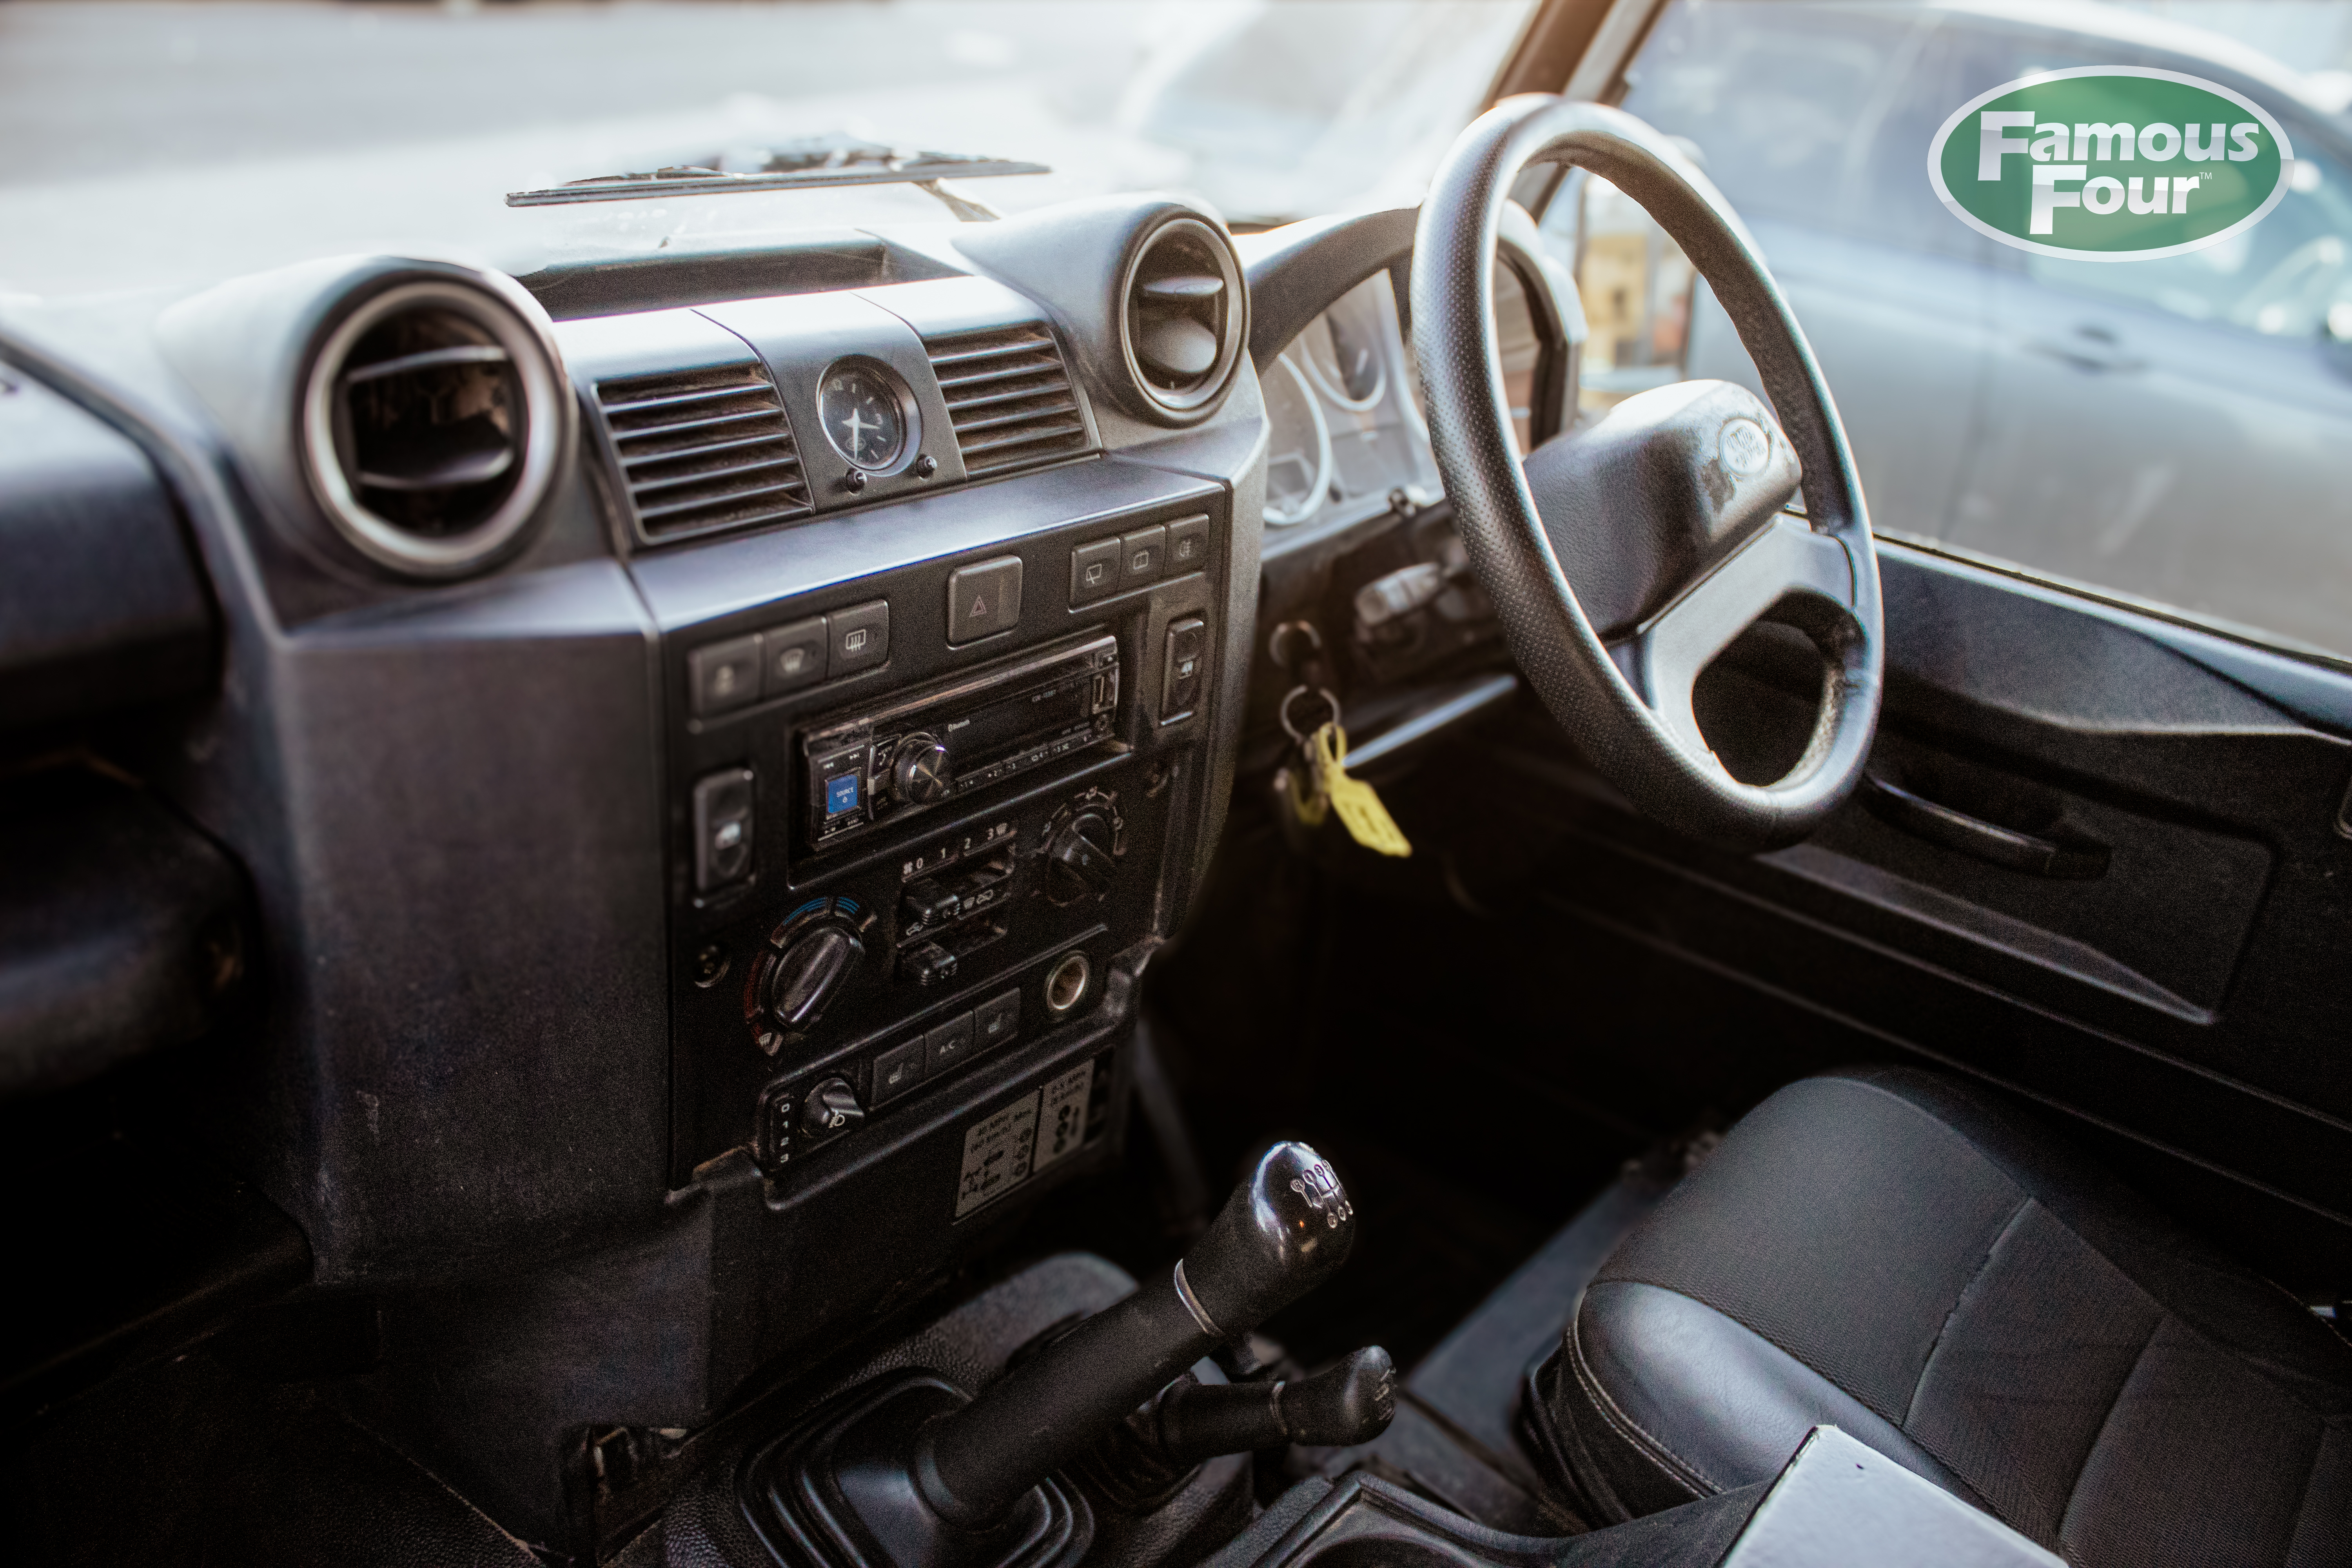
<point>1285,1230</point>
<point>911,1473</point>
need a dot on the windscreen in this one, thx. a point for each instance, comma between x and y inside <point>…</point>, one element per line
<point>156,141</point>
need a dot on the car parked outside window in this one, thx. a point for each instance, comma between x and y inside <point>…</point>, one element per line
<point>2176,431</point>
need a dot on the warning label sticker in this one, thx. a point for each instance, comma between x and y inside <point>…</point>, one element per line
<point>1062,1126</point>
<point>997,1154</point>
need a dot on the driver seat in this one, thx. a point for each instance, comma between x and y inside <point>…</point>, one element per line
<point>1909,1259</point>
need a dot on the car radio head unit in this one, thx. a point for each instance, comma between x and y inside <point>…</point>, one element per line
<point>935,743</point>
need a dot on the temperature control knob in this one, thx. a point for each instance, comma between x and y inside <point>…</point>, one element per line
<point>797,985</point>
<point>920,770</point>
<point>1078,857</point>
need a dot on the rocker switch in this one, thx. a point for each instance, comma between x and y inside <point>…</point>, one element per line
<point>722,828</point>
<point>1180,681</point>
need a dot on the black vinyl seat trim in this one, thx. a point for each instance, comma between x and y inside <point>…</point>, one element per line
<point>1917,1263</point>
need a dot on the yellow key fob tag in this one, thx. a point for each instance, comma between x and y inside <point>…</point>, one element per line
<point>1310,803</point>
<point>1358,806</point>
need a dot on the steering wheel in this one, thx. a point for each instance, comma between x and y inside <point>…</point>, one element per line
<point>1623,557</point>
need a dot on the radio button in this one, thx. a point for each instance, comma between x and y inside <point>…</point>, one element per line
<point>983,600</point>
<point>1188,544</point>
<point>1142,554</point>
<point>792,657</point>
<point>723,675</point>
<point>841,793</point>
<point>1094,571</point>
<point>860,637</point>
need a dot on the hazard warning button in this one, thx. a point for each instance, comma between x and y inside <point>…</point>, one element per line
<point>983,600</point>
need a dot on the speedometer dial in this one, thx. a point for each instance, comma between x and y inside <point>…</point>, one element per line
<point>1299,451</point>
<point>1343,358</point>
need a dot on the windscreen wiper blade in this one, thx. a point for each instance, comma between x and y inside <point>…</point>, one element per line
<point>796,165</point>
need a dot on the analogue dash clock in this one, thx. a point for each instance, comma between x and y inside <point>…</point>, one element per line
<point>866,413</point>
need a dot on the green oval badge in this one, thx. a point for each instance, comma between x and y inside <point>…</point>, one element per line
<point>2110,164</point>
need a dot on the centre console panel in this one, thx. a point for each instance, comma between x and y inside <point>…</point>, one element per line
<point>925,816</point>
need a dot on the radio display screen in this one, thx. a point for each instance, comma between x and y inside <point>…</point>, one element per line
<point>1004,726</point>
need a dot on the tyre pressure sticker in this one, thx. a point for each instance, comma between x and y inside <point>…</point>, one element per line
<point>1062,1127</point>
<point>996,1154</point>
<point>1007,1148</point>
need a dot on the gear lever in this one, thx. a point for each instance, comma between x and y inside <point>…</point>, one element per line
<point>1284,1231</point>
<point>904,1471</point>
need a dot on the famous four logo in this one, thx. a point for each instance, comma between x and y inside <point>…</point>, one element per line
<point>2110,164</point>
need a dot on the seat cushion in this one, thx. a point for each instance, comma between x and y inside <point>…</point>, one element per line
<point>1913,1261</point>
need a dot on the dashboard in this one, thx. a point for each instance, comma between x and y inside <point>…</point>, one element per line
<point>689,758</point>
<point>709,749</point>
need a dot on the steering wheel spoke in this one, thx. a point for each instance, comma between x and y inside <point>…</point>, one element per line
<point>1666,654</point>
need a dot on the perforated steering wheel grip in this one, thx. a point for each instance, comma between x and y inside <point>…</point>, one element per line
<point>1665,515</point>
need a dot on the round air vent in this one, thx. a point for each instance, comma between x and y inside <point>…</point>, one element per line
<point>1182,320</point>
<point>432,426</point>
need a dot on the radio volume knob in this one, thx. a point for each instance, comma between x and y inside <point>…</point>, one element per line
<point>921,771</point>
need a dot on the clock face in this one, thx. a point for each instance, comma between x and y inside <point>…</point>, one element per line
<point>863,416</point>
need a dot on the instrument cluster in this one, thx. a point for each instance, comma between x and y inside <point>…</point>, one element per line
<point>1347,423</point>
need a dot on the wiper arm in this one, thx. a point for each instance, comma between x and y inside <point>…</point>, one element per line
<point>797,165</point>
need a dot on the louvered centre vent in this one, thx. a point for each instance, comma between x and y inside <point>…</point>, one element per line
<point>701,449</point>
<point>1009,398</point>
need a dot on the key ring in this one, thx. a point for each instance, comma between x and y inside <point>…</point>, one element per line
<point>1293,695</point>
<point>1278,640</point>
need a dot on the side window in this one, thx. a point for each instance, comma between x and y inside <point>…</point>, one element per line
<point>1770,95</point>
<point>2168,428</point>
<point>1762,97</point>
<point>1514,333</point>
<point>2290,276</point>
<point>1635,283</point>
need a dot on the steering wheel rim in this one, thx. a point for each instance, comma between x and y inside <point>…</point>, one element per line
<point>1819,572</point>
